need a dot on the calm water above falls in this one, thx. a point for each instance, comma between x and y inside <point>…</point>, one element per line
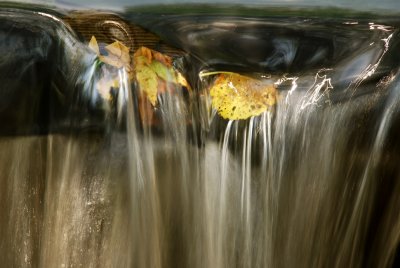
<point>313,182</point>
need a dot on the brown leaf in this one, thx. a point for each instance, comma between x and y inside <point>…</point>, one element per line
<point>153,70</point>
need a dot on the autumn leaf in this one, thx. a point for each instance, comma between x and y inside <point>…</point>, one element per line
<point>118,54</point>
<point>94,46</point>
<point>236,96</point>
<point>148,82</point>
<point>153,70</point>
<point>118,57</point>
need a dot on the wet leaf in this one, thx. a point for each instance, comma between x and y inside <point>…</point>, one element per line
<point>153,70</point>
<point>237,97</point>
<point>94,46</point>
<point>148,82</point>
<point>117,54</point>
<point>118,57</point>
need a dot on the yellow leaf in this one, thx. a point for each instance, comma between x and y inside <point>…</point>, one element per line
<point>94,46</point>
<point>182,80</point>
<point>148,82</point>
<point>153,70</point>
<point>237,97</point>
<point>162,71</point>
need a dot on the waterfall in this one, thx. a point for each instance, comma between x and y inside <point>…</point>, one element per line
<point>311,182</point>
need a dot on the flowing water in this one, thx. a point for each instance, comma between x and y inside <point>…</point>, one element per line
<point>313,182</point>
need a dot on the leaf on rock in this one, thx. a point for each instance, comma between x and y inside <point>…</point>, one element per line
<point>117,54</point>
<point>237,97</point>
<point>153,70</point>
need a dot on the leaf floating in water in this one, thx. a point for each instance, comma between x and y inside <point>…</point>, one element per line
<point>237,97</point>
<point>153,70</point>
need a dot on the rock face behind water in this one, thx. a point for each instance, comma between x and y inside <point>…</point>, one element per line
<point>41,60</point>
<point>28,65</point>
